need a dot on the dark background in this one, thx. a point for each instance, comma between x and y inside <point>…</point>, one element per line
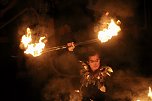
<point>66,21</point>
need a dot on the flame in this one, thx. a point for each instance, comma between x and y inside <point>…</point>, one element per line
<point>150,93</point>
<point>34,49</point>
<point>109,32</point>
<point>77,91</point>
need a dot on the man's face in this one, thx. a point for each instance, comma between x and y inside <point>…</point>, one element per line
<point>94,62</point>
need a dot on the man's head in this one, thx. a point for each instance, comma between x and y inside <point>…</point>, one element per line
<point>93,59</point>
<point>94,62</point>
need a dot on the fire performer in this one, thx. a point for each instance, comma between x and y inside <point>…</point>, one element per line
<point>93,76</point>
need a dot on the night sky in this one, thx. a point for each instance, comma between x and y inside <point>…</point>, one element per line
<point>27,78</point>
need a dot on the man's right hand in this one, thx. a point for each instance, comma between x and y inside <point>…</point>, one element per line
<point>71,46</point>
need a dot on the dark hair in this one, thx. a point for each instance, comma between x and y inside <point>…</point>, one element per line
<point>91,51</point>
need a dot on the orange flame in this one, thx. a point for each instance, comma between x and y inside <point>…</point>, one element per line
<point>109,32</point>
<point>149,96</point>
<point>34,49</point>
<point>150,93</point>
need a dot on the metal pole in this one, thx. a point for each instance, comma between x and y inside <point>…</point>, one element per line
<point>65,46</point>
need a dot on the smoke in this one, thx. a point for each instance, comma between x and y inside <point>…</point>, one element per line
<point>56,76</point>
<point>60,89</point>
<point>115,7</point>
<point>57,73</point>
<point>38,69</point>
<point>127,85</point>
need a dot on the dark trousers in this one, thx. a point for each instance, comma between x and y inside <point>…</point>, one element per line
<point>98,98</point>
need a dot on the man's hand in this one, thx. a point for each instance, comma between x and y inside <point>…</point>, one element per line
<point>103,88</point>
<point>71,46</point>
